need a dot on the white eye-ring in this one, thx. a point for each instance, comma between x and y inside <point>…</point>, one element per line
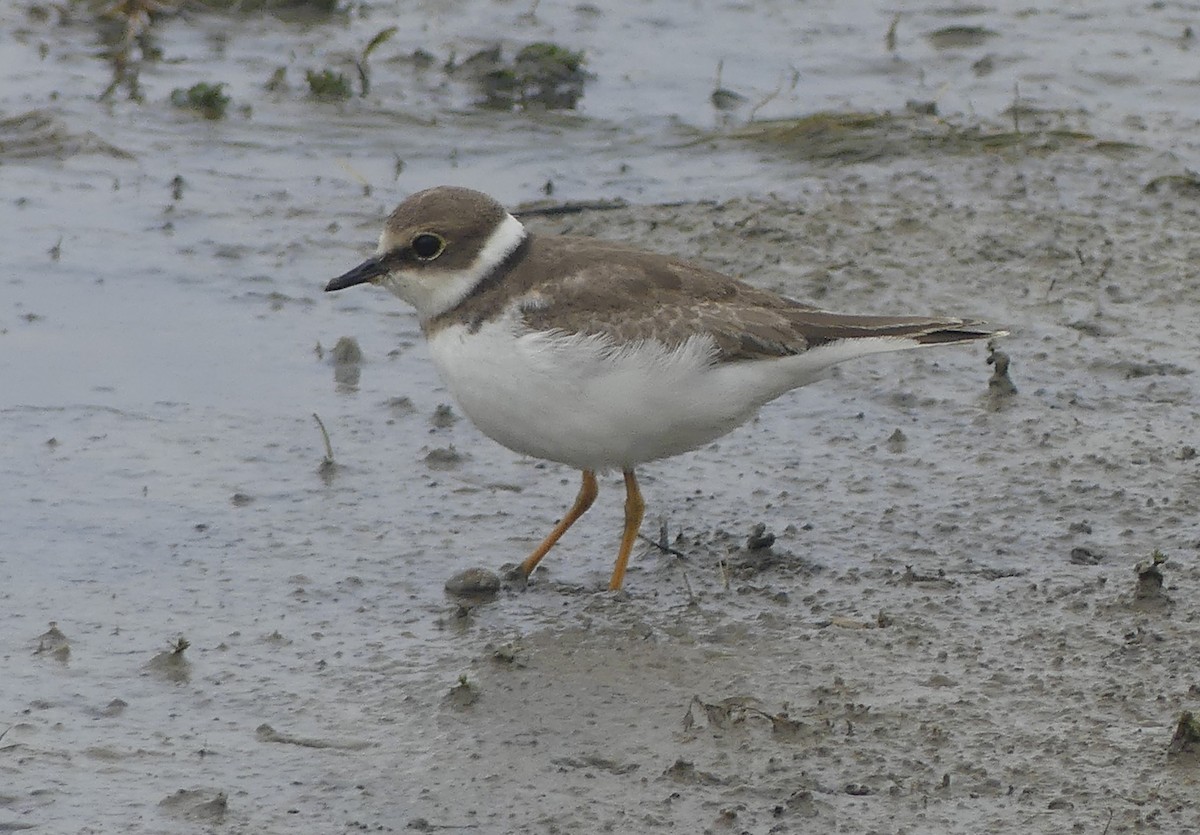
<point>428,246</point>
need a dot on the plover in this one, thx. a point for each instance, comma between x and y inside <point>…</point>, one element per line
<point>599,355</point>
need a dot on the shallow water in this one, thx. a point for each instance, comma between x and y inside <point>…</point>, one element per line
<point>161,357</point>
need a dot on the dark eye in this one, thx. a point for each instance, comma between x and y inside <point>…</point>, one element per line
<point>427,246</point>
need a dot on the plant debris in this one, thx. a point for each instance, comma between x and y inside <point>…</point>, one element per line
<point>328,85</point>
<point>542,74</point>
<point>1187,735</point>
<point>209,100</point>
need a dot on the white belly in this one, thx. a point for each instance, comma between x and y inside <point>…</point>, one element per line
<point>579,401</point>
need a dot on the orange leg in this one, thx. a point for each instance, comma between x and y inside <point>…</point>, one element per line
<point>635,508</point>
<point>587,495</point>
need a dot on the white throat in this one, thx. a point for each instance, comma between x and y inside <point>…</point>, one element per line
<point>433,292</point>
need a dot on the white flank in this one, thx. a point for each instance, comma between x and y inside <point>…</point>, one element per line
<point>584,402</point>
<point>807,367</point>
<point>433,291</point>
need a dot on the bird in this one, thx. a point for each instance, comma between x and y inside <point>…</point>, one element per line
<point>600,355</point>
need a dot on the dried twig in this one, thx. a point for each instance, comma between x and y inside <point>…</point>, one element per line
<point>324,437</point>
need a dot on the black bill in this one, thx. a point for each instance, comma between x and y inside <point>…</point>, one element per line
<point>367,271</point>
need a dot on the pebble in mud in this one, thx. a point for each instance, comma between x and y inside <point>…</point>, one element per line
<point>114,708</point>
<point>760,538</point>
<point>474,584</point>
<point>1085,556</point>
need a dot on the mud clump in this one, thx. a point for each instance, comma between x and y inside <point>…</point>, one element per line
<point>347,351</point>
<point>685,772</point>
<point>443,417</point>
<point>960,37</point>
<point>54,644</point>
<point>856,137</point>
<point>265,733</point>
<point>462,695</point>
<point>347,357</point>
<point>170,664</point>
<point>760,538</point>
<point>1083,555</point>
<point>737,710</point>
<point>197,805</point>
<point>756,554</point>
<point>1000,385</point>
<point>444,458</point>
<point>1148,593</point>
<point>41,134</point>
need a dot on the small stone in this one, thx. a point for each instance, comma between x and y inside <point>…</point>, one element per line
<point>1085,556</point>
<point>475,583</point>
<point>760,538</point>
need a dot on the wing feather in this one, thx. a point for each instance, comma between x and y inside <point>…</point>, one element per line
<point>629,295</point>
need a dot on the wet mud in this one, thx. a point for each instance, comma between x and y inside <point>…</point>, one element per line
<point>951,590</point>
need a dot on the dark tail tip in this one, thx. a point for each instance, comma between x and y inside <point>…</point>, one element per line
<point>962,332</point>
